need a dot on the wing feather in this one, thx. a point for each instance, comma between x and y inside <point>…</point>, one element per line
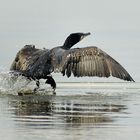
<point>92,61</point>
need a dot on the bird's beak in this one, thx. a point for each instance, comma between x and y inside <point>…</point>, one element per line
<point>84,35</point>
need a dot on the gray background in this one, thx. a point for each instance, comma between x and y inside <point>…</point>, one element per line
<point>114,27</point>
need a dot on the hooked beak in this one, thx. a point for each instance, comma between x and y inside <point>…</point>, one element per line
<point>84,35</point>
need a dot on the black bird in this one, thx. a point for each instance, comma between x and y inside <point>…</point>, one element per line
<point>38,64</point>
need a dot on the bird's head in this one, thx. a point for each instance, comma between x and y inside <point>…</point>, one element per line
<point>74,38</point>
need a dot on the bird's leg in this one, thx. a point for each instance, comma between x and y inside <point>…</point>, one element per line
<point>37,84</point>
<point>51,81</point>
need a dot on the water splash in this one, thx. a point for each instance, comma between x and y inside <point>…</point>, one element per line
<point>10,82</point>
<point>14,84</point>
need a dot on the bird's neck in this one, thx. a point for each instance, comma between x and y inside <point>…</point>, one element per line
<point>67,46</point>
<point>69,42</point>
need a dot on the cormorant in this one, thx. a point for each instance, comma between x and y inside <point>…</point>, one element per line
<point>38,64</point>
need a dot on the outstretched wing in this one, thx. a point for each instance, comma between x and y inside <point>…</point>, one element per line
<point>91,61</point>
<point>25,57</point>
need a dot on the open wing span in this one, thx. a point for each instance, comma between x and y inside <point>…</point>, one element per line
<point>91,61</point>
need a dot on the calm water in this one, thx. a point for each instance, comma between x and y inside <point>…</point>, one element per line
<point>79,110</point>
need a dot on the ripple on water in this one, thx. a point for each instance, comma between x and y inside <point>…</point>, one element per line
<point>37,111</point>
<point>78,108</point>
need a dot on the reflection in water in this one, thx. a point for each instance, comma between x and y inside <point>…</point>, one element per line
<point>55,110</point>
<point>99,110</point>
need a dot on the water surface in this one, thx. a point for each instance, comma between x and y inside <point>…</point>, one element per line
<point>78,111</point>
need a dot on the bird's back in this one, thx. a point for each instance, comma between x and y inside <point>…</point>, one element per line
<point>25,58</point>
